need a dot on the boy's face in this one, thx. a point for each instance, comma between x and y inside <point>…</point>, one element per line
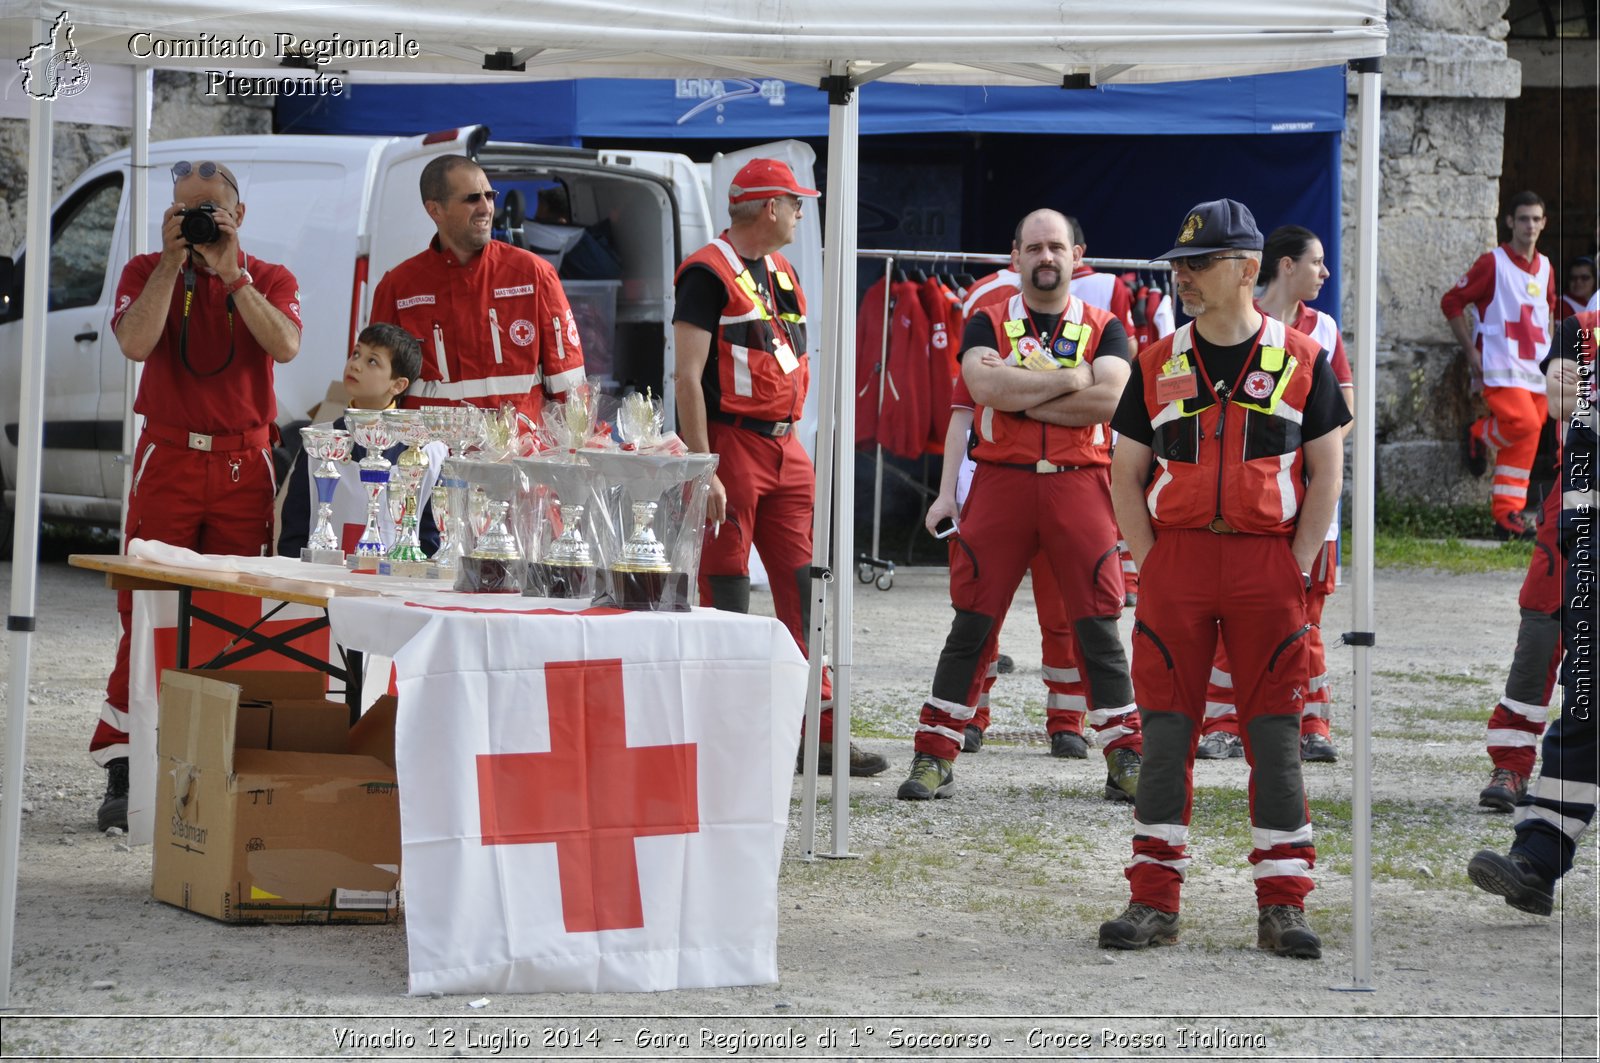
<point>368,378</point>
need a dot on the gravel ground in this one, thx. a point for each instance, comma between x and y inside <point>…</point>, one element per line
<point>965,928</point>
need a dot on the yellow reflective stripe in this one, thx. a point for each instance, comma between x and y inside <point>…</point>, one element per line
<point>1277,392</point>
<point>748,283</point>
<point>798,319</point>
<point>1079,333</point>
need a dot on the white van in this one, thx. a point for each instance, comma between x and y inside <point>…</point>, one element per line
<point>340,212</point>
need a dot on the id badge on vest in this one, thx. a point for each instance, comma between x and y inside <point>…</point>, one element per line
<point>1176,381</point>
<point>785,356</point>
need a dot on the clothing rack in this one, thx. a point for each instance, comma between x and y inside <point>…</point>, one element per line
<point>870,567</point>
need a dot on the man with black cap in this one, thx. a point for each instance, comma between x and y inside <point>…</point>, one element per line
<point>740,332</point>
<point>1224,480</point>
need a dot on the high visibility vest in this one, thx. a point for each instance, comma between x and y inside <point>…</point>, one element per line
<point>1251,473</point>
<point>744,375</point>
<point>1011,438</point>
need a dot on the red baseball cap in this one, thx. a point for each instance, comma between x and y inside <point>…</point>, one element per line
<point>765,178</point>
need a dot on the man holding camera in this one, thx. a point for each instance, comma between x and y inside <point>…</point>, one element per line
<point>208,322</point>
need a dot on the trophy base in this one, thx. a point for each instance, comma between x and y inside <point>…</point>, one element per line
<point>488,575</point>
<point>322,557</point>
<point>408,569</point>
<point>666,592</point>
<point>363,562</point>
<point>545,580</point>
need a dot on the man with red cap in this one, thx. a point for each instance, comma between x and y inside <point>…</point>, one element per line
<point>742,371</point>
<point>1224,480</point>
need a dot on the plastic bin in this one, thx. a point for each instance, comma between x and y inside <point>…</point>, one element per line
<point>594,307</point>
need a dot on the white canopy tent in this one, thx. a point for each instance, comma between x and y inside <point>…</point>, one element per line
<point>834,44</point>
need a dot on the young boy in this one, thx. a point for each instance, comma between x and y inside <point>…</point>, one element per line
<point>384,363</point>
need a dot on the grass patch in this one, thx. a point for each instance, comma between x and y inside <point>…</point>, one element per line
<point>1448,555</point>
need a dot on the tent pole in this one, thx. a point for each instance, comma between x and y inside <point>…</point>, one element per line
<point>1362,637</point>
<point>25,539</point>
<point>138,241</point>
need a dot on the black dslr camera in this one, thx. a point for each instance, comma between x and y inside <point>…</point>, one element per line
<point>198,225</point>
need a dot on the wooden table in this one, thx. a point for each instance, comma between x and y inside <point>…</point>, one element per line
<point>133,574</point>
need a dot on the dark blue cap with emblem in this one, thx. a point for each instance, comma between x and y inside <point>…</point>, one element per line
<point>1216,225</point>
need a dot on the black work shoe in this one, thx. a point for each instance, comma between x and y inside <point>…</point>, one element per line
<point>1513,878</point>
<point>1505,788</point>
<point>1122,774</point>
<point>114,809</point>
<point>972,738</point>
<point>930,777</point>
<point>1004,665</point>
<point>1139,925</point>
<point>862,763</point>
<point>1473,454</point>
<point>1282,929</point>
<point>1316,747</point>
<point>1070,745</point>
<point>1219,745</point>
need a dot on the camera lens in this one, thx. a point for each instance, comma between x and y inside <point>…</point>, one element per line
<point>199,227</point>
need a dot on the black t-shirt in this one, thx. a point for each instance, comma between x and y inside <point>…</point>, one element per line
<point>1325,409</point>
<point>979,332</point>
<point>701,295</point>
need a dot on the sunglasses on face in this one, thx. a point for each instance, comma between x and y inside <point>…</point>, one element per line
<point>474,197</point>
<point>1201,263</point>
<point>206,170</point>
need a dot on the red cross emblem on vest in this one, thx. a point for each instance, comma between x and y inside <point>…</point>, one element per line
<point>1527,334</point>
<point>591,795</point>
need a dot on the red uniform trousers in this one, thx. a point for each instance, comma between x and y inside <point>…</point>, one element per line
<point>1011,516</point>
<point>1248,587</point>
<point>1519,717</point>
<point>1221,714</point>
<point>214,502</point>
<point>1067,693</point>
<point>1516,417</point>
<point>771,484</point>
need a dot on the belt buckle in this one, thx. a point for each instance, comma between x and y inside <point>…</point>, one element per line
<point>199,442</point>
<point>781,428</point>
<point>1044,466</point>
<point>1218,526</point>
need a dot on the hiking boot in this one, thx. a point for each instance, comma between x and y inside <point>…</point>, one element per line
<point>1068,744</point>
<point>1004,665</point>
<point>930,777</point>
<point>862,763</point>
<point>972,738</point>
<point>1139,925</point>
<point>1513,878</point>
<point>114,809</point>
<point>1473,454</point>
<point>1122,774</point>
<point>1505,788</point>
<point>1220,745</point>
<point>1282,929</point>
<point>1316,747</point>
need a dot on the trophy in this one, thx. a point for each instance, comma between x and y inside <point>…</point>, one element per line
<point>457,427</point>
<point>565,425</point>
<point>329,446</point>
<point>367,427</point>
<point>655,520</point>
<point>639,421</point>
<point>553,523</point>
<point>405,556</point>
<point>494,562</point>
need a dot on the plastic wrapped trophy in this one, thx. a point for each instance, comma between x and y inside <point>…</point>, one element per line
<point>329,446</point>
<point>560,555</point>
<point>368,428</point>
<point>492,565</point>
<point>406,556</point>
<point>458,428</point>
<point>655,510</point>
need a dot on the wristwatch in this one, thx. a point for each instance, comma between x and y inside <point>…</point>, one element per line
<point>240,281</point>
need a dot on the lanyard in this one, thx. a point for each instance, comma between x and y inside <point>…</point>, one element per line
<point>183,333</point>
<point>1227,389</point>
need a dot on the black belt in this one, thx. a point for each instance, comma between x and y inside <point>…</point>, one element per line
<point>1041,466</point>
<point>773,429</point>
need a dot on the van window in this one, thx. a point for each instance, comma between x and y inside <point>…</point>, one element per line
<point>80,247</point>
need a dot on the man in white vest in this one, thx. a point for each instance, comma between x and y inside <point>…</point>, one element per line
<point>1513,291</point>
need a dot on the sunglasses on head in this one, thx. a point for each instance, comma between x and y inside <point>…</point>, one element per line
<point>206,170</point>
<point>1201,263</point>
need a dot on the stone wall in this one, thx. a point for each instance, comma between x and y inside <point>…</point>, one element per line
<point>1445,82</point>
<point>180,110</point>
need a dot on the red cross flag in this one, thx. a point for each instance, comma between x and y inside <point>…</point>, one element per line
<point>594,803</point>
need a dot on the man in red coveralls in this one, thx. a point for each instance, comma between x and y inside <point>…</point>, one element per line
<point>1044,370</point>
<point>1227,471</point>
<point>742,374</point>
<point>209,322</point>
<point>493,321</point>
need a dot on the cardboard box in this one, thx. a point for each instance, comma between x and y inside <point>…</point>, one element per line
<point>265,810</point>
